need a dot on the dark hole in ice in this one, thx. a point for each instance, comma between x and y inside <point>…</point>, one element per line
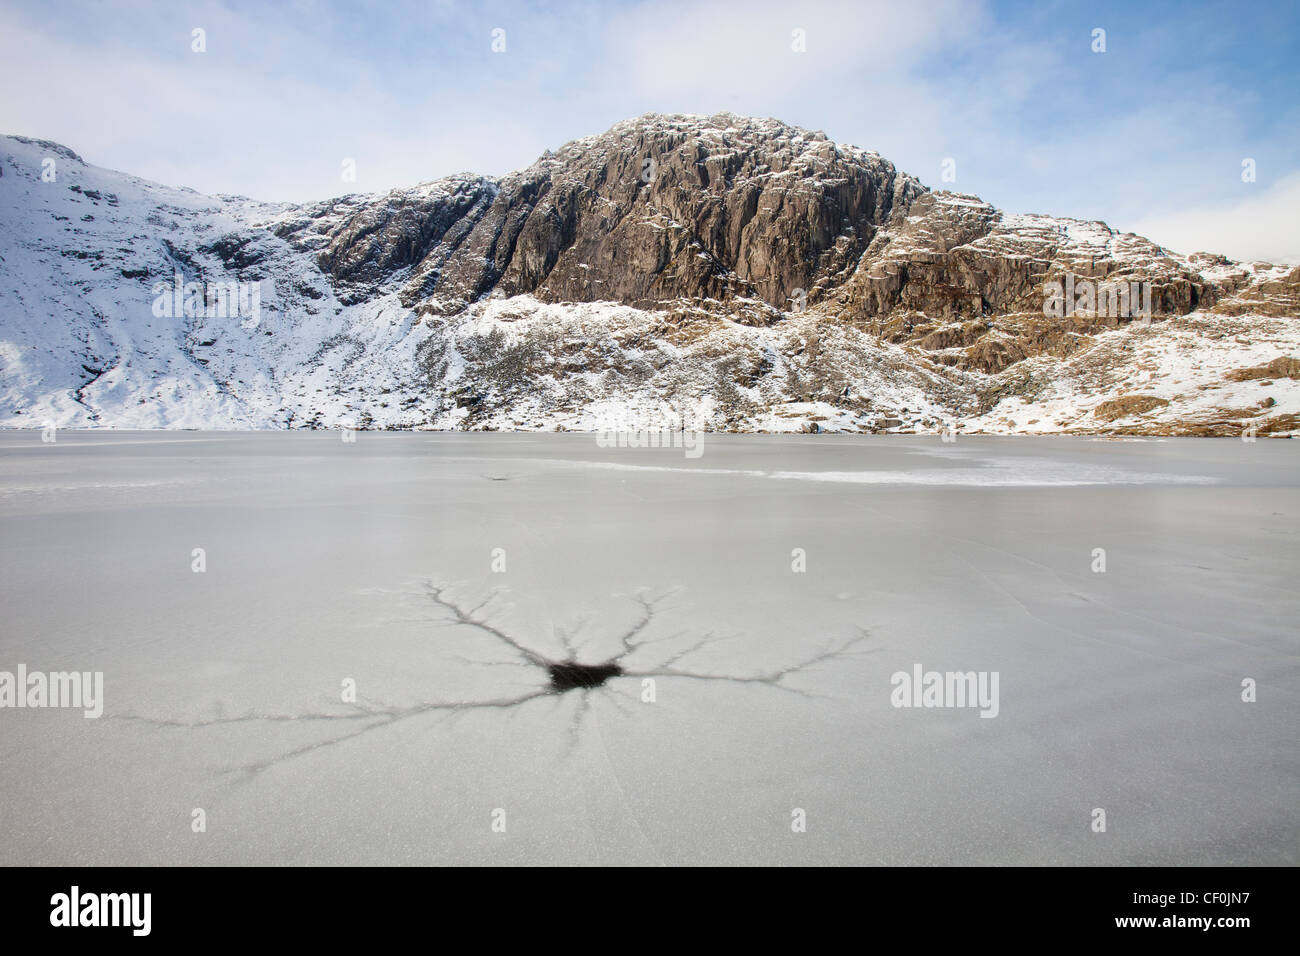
<point>569,675</point>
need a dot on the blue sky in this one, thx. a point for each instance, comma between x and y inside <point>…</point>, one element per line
<point>1149,135</point>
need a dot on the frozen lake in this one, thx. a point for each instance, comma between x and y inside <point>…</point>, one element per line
<point>751,607</point>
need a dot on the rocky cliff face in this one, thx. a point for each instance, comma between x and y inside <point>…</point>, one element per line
<point>756,218</point>
<point>663,209</point>
<point>654,211</point>
<point>741,272</point>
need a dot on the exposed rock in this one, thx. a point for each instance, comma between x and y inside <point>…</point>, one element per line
<point>1283,367</point>
<point>1127,405</point>
<point>754,219</point>
<point>654,211</point>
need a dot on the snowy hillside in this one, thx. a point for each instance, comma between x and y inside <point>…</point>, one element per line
<point>79,341</point>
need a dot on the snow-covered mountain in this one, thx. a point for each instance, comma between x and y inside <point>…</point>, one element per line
<point>718,272</point>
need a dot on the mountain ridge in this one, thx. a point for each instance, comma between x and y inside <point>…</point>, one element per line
<point>737,272</point>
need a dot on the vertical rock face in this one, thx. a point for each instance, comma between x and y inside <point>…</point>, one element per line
<point>655,210</point>
<point>665,210</point>
<point>363,243</point>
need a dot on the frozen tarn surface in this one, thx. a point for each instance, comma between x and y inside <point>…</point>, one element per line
<point>329,561</point>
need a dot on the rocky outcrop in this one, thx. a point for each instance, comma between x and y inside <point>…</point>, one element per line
<point>655,211</point>
<point>708,219</point>
<point>749,220</point>
<point>363,244</point>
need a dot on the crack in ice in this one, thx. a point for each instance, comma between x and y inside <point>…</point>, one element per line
<point>560,675</point>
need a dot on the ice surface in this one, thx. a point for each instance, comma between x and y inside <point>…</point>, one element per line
<point>329,560</point>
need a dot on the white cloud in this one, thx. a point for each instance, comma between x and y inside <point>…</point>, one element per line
<point>1260,226</point>
<point>690,49</point>
<point>240,118</point>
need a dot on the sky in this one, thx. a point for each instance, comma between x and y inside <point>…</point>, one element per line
<point>1149,134</point>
